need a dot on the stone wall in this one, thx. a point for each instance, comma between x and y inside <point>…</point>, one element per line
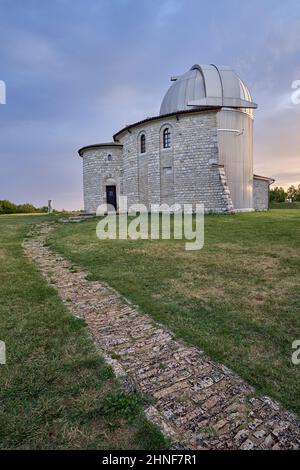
<point>102,166</point>
<point>260,194</point>
<point>188,172</point>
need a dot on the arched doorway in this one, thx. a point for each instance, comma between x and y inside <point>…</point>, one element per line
<point>111,195</point>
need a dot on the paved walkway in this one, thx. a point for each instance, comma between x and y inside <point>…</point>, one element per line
<point>198,403</point>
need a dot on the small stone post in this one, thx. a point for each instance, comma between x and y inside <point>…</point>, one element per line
<point>2,352</point>
<point>50,209</point>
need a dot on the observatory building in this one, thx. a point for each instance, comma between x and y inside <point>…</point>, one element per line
<point>199,149</point>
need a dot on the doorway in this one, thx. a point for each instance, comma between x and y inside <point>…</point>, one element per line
<point>111,196</point>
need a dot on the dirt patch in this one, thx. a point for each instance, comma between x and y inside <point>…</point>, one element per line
<point>189,290</point>
<point>2,254</point>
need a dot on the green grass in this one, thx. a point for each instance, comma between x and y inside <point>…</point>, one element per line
<point>56,392</point>
<point>238,298</point>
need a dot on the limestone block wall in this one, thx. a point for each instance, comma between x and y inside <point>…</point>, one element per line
<point>260,194</point>
<point>185,173</point>
<point>102,166</point>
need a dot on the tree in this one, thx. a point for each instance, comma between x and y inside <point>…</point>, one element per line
<point>292,193</point>
<point>7,207</point>
<point>277,194</point>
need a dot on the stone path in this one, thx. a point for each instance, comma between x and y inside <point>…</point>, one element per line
<point>198,403</point>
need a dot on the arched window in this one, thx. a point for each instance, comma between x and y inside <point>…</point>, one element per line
<point>166,138</point>
<point>143,143</point>
<point>109,157</point>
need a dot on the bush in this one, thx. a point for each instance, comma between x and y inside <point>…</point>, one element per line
<point>8,207</point>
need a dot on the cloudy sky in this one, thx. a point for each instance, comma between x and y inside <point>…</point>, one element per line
<point>78,70</point>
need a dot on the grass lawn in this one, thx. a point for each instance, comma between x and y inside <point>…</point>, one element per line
<point>55,390</point>
<point>238,298</point>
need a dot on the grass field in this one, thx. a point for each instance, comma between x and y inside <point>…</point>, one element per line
<point>238,298</point>
<point>55,390</point>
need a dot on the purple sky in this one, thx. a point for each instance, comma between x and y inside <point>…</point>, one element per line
<point>77,71</point>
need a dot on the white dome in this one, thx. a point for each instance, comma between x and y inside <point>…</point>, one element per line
<point>206,85</point>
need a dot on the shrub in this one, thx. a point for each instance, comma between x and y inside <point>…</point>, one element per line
<point>8,207</point>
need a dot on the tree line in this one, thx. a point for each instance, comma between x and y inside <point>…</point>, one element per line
<point>8,207</point>
<point>278,194</point>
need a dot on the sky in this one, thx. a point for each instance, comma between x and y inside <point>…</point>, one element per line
<point>77,71</point>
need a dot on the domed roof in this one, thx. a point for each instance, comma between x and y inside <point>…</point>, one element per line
<point>206,85</point>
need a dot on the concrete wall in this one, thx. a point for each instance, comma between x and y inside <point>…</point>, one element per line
<point>188,172</point>
<point>99,172</point>
<point>260,194</point>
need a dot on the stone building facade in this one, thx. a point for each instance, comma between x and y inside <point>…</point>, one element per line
<point>186,154</point>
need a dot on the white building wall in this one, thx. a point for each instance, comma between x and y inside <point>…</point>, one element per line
<point>236,154</point>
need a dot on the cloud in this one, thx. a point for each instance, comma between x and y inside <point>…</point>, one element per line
<point>284,37</point>
<point>167,9</point>
<point>277,140</point>
<point>30,52</point>
<point>278,105</point>
<point>35,50</point>
<point>142,102</point>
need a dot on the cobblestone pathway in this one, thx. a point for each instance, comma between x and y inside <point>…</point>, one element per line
<point>198,403</point>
